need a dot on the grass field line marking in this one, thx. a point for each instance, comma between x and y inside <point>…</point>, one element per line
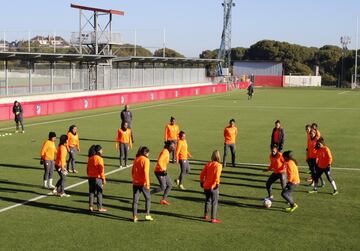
<point>272,107</point>
<point>266,165</point>
<point>66,188</point>
<point>343,92</point>
<point>107,113</point>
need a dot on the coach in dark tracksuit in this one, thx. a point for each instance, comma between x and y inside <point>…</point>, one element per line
<point>278,136</point>
<point>126,116</point>
<point>18,113</point>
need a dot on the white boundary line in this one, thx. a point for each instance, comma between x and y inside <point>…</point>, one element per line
<point>343,92</point>
<point>279,107</point>
<point>107,113</point>
<point>67,188</point>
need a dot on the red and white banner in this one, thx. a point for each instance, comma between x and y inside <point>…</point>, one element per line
<point>55,106</point>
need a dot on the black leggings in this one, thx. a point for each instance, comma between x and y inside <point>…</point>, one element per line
<point>60,185</point>
<point>19,122</point>
<point>286,193</point>
<point>274,177</point>
<point>320,171</point>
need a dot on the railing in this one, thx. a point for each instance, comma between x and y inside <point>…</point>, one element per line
<point>41,78</point>
<point>91,37</point>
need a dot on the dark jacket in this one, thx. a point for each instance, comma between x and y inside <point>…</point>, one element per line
<point>18,109</point>
<point>281,138</point>
<point>250,89</point>
<point>126,116</point>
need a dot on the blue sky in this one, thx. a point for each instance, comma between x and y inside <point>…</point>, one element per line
<point>193,25</point>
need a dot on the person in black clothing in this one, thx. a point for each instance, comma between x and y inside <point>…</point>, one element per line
<point>278,136</point>
<point>126,116</point>
<point>250,90</point>
<point>18,112</point>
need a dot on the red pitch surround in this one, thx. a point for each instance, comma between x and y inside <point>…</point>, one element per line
<point>56,106</point>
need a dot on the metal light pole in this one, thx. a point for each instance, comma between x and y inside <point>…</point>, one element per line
<point>356,49</point>
<point>225,45</point>
<point>344,40</point>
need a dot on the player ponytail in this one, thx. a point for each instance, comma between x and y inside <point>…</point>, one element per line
<point>289,156</point>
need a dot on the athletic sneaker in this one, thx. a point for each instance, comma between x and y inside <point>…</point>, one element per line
<point>65,195</point>
<point>22,131</point>
<point>312,191</point>
<point>91,209</point>
<point>270,198</point>
<point>182,187</point>
<point>177,181</point>
<point>55,191</point>
<point>75,171</point>
<point>335,192</point>
<point>149,218</point>
<point>206,217</point>
<point>164,202</point>
<point>102,210</point>
<point>16,131</point>
<point>291,209</point>
<point>215,221</point>
<point>135,219</point>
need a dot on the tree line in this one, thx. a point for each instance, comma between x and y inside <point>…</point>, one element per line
<point>297,59</point>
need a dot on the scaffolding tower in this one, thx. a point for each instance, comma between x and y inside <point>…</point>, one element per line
<point>95,32</point>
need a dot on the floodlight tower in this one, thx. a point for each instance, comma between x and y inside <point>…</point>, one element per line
<point>225,45</point>
<point>344,40</point>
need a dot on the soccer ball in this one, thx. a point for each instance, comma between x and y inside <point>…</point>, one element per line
<point>267,203</point>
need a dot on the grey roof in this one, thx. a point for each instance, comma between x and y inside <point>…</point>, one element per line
<point>98,58</point>
<point>53,57</point>
<point>166,60</point>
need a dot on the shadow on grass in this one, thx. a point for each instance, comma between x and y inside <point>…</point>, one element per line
<point>7,182</point>
<point>246,174</point>
<point>106,164</point>
<point>15,190</point>
<point>226,202</point>
<point>234,177</point>
<point>66,209</point>
<point>156,212</point>
<point>2,165</point>
<point>97,140</point>
<point>128,208</point>
<point>241,166</point>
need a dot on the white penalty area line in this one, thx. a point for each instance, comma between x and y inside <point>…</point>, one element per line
<point>275,107</point>
<point>266,165</point>
<point>66,188</point>
<point>107,113</point>
<point>343,92</point>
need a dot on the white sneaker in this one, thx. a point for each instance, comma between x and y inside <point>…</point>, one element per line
<point>55,191</point>
<point>65,195</point>
<point>51,186</point>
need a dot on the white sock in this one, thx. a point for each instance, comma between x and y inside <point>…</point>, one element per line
<point>50,183</point>
<point>333,185</point>
<point>45,183</point>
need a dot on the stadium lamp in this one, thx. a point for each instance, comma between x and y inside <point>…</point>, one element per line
<point>345,40</point>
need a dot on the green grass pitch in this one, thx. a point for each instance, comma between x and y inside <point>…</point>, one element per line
<point>322,221</point>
